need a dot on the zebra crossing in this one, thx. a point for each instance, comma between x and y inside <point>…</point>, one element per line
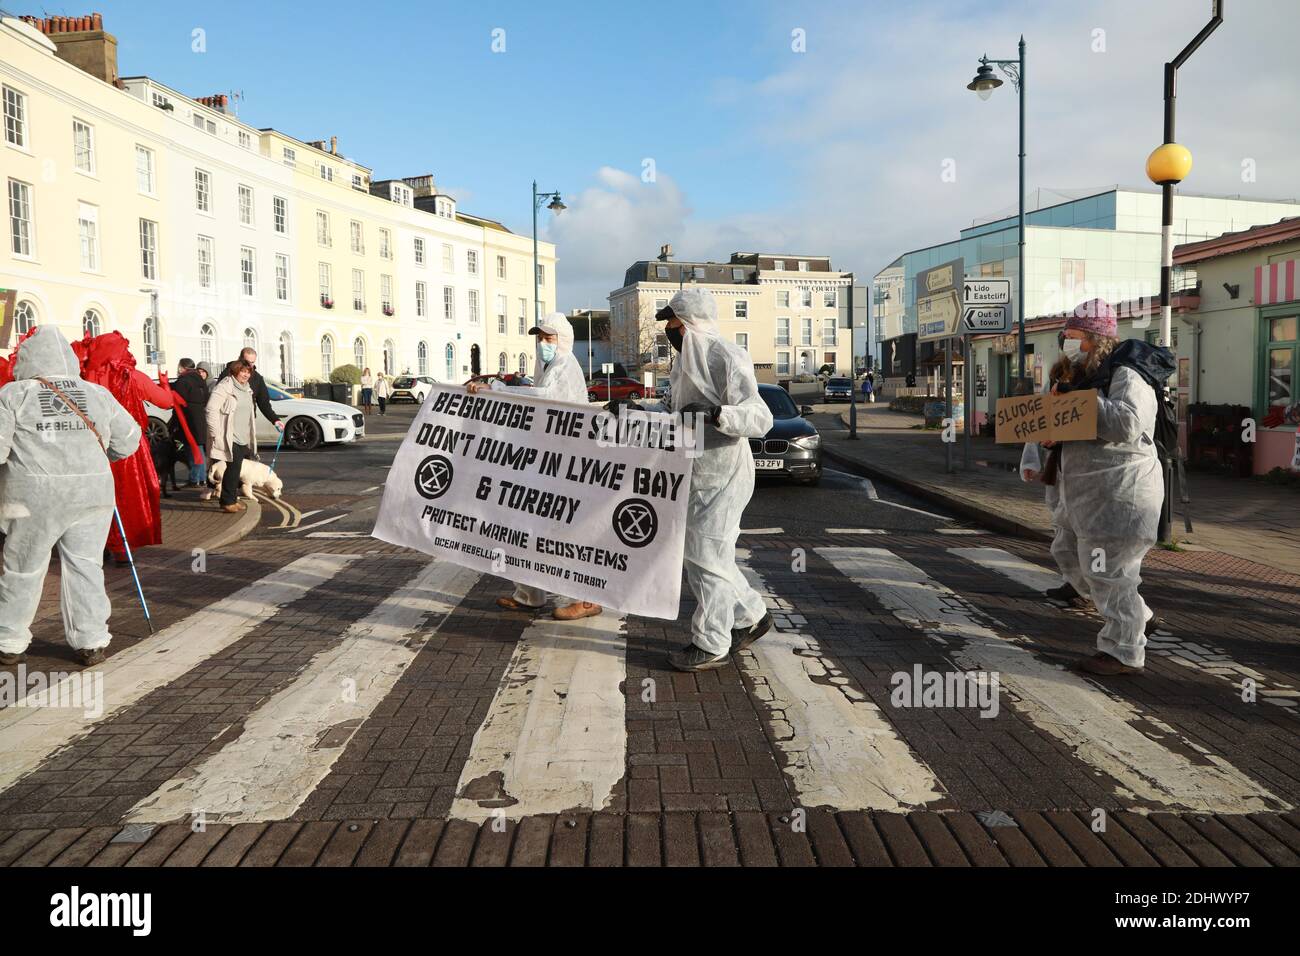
<point>554,736</point>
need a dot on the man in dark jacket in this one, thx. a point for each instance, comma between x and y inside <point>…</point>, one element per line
<point>190,386</point>
<point>261,397</point>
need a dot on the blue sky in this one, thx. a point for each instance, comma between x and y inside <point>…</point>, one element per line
<point>834,149</point>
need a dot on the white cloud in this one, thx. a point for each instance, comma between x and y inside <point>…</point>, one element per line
<point>864,121</point>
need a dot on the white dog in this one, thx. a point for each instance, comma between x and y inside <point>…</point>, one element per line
<point>252,474</point>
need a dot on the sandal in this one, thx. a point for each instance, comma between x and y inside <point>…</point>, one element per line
<point>576,611</point>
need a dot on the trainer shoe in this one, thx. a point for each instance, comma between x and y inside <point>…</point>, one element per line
<point>694,658</point>
<point>742,637</point>
<point>91,657</point>
<point>1065,592</point>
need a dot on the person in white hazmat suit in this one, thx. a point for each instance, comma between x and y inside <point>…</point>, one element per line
<point>56,490</point>
<point>559,377</point>
<point>1110,489</point>
<point>1033,465</point>
<point>714,379</point>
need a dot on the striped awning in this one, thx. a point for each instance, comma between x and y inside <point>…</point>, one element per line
<point>1276,282</point>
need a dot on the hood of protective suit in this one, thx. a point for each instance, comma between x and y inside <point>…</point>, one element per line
<point>699,314</point>
<point>46,354</point>
<point>564,338</point>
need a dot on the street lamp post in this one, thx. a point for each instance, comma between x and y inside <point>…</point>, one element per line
<point>853,367</point>
<point>556,206</point>
<point>1167,166</point>
<point>984,84</point>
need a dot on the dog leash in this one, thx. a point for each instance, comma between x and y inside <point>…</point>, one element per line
<point>117,515</point>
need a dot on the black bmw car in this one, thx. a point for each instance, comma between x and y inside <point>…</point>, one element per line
<point>792,449</point>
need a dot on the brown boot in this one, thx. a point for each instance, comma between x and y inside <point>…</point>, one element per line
<point>510,604</point>
<point>576,611</point>
<point>1105,666</point>
<point>233,509</point>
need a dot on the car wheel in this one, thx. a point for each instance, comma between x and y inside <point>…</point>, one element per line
<point>634,396</point>
<point>592,397</point>
<point>303,434</point>
<point>157,430</point>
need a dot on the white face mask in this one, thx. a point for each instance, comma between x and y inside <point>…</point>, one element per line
<point>1073,348</point>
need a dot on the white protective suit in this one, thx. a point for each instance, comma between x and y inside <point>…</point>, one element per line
<point>562,380</point>
<point>712,370</point>
<point>1110,493</point>
<point>56,490</point>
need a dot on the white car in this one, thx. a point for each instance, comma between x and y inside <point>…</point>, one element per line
<point>411,388</point>
<point>308,422</point>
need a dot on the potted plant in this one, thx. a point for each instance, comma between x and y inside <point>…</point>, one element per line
<point>389,310</point>
<point>326,302</point>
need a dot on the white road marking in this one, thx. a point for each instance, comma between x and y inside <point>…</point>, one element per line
<point>869,487</point>
<point>762,531</point>
<point>555,736</point>
<point>1102,730</point>
<point>842,751</point>
<point>339,534</point>
<point>856,531</point>
<point>961,531</point>
<point>371,488</point>
<point>308,514</point>
<point>1024,572</point>
<point>317,524</point>
<point>289,744</point>
<point>30,735</point>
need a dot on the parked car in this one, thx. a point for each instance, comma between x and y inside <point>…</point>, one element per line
<point>509,378</point>
<point>792,448</point>
<point>838,389</point>
<point>308,422</point>
<point>616,388</point>
<point>411,388</point>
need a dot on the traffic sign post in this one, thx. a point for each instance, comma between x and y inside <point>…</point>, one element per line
<point>985,310</point>
<point>938,316</point>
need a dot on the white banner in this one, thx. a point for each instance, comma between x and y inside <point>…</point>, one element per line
<point>557,496</point>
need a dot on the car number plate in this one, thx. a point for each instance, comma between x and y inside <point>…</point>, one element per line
<point>768,464</point>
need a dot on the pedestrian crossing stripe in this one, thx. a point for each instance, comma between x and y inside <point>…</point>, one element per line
<point>28,736</point>
<point>280,757</point>
<point>1100,729</point>
<point>555,736</point>
<point>841,751</point>
<point>1023,572</point>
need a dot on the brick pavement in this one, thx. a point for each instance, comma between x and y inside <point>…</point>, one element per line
<point>706,781</point>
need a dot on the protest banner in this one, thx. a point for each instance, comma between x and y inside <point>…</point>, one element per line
<point>564,497</point>
<point>1046,417</point>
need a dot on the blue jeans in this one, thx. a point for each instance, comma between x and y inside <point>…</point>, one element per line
<point>199,472</point>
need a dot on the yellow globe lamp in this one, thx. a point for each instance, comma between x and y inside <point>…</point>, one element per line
<point>1169,164</point>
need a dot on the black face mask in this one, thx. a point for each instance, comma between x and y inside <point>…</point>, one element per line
<point>674,337</point>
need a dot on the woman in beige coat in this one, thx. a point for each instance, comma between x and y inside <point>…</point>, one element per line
<point>232,429</point>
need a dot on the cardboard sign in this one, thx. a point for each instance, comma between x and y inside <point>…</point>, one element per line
<point>8,303</point>
<point>1047,417</point>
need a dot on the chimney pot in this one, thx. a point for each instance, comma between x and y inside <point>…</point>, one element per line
<point>334,145</point>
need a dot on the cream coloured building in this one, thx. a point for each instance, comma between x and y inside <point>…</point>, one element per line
<point>786,310</point>
<point>248,236</point>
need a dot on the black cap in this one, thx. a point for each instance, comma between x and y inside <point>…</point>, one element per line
<point>664,314</point>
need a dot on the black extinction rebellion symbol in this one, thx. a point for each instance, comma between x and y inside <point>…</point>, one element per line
<point>635,522</point>
<point>433,477</point>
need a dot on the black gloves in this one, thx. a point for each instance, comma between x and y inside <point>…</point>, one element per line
<point>710,412</point>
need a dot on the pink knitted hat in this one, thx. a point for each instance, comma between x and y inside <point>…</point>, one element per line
<point>1095,315</point>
